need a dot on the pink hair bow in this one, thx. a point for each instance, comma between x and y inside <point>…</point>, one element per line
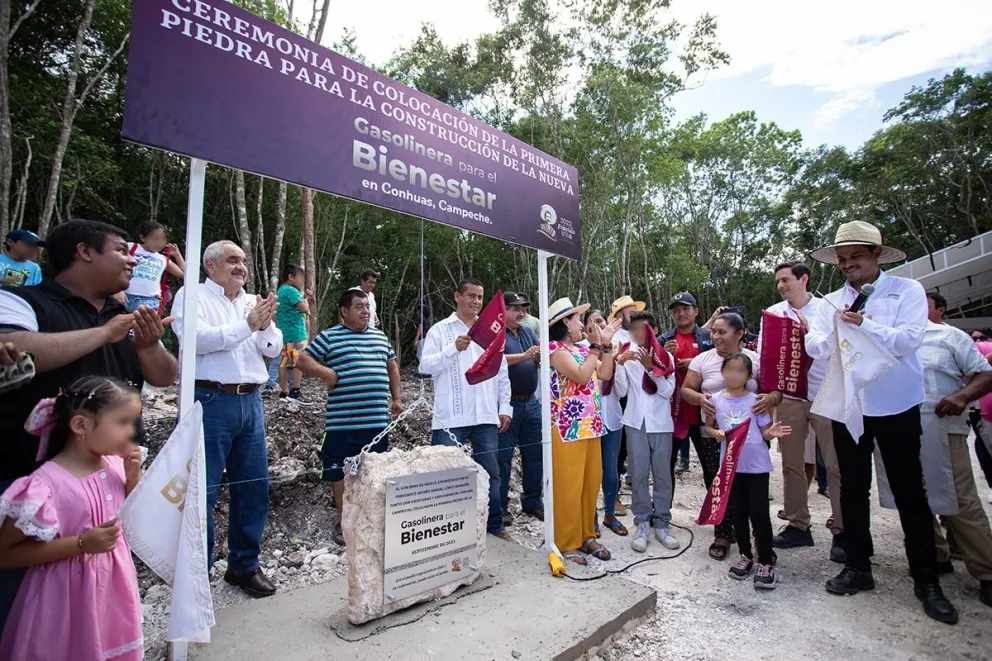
<point>40,423</point>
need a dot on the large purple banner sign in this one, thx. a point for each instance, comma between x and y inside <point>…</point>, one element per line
<point>209,80</point>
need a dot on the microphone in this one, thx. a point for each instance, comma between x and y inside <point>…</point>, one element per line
<point>859,302</point>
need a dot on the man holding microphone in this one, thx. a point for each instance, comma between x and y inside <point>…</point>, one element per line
<point>895,316</point>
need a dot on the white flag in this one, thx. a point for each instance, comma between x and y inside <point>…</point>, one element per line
<point>165,524</point>
<point>856,361</point>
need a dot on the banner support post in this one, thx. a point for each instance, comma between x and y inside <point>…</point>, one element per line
<point>545,396</point>
<point>178,650</point>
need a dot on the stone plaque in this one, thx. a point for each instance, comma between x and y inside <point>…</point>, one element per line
<point>431,531</point>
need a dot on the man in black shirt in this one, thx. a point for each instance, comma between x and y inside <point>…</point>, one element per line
<point>72,326</point>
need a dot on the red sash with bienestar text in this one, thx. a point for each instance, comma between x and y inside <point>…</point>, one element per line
<point>718,495</point>
<point>784,361</point>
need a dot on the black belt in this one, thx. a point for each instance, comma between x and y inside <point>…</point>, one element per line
<point>521,398</point>
<point>233,388</point>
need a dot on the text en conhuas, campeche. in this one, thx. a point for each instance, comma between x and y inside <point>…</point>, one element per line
<point>364,157</point>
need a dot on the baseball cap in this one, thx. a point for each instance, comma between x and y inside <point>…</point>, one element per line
<point>682,298</point>
<point>513,298</point>
<point>25,236</point>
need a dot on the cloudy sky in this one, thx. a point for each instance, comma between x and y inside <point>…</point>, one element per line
<point>828,69</point>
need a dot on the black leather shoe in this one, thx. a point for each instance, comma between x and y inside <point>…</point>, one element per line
<point>850,581</point>
<point>537,513</point>
<point>256,583</point>
<point>790,537</point>
<point>838,554</point>
<point>985,593</point>
<point>935,604</point>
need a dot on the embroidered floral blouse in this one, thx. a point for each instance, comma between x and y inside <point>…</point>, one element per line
<point>576,409</point>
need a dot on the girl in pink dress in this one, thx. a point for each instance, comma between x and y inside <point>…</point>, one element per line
<point>79,600</point>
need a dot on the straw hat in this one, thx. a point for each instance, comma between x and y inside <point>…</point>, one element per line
<point>622,303</point>
<point>858,233</point>
<point>563,308</point>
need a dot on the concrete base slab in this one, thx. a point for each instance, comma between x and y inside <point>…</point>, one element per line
<point>525,614</point>
<point>340,624</point>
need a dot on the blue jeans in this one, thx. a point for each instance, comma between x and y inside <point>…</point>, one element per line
<point>234,438</point>
<point>525,433</point>
<point>610,445</point>
<point>10,579</point>
<point>273,373</point>
<point>684,450</point>
<point>485,445</point>
<point>134,301</point>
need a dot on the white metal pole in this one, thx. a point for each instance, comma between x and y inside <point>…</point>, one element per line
<point>191,285</point>
<point>549,494</point>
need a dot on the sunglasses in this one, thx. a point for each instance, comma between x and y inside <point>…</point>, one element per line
<point>980,338</point>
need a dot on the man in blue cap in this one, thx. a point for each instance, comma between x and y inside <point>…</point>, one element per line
<point>18,262</point>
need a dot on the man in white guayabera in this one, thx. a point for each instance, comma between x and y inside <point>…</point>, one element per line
<point>895,317</point>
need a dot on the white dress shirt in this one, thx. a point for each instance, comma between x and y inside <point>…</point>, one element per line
<point>456,403</point>
<point>227,351</point>
<point>653,412</point>
<point>818,370</point>
<point>896,318</point>
<point>950,359</point>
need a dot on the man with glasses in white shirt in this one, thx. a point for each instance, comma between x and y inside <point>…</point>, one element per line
<point>895,316</point>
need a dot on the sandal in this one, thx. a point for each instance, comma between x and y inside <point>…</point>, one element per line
<point>596,550</point>
<point>615,527</point>
<point>719,548</point>
<point>576,557</point>
<point>598,533</point>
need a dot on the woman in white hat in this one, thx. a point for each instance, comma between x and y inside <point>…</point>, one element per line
<point>577,426</point>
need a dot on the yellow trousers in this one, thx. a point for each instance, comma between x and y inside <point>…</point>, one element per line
<point>578,474</point>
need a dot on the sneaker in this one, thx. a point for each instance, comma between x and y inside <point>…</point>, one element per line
<point>664,535</point>
<point>268,391</point>
<point>823,491</point>
<point>935,604</point>
<point>337,535</point>
<point>640,541</point>
<point>683,466</point>
<point>507,518</point>
<point>764,577</point>
<point>626,479</point>
<point>742,568</point>
<point>283,396</point>
<point>850,581</point>
<point>619,509</point>
<point>297,397</point>
<point>790,537</point>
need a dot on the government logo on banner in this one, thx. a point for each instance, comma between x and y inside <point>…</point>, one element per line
<point>165,525</point>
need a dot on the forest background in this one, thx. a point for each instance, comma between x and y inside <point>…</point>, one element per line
<point>703,204</point>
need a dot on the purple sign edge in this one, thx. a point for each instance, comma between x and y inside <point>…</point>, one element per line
<point>567,249</point>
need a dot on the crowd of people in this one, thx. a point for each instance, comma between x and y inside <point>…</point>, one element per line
<point>627,401</point>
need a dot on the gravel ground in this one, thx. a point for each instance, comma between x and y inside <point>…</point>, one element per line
<point>702,613</point>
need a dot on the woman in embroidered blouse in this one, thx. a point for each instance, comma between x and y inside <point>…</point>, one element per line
<point>576,427</point>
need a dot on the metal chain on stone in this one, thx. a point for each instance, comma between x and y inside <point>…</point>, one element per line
<point>352,463</point>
